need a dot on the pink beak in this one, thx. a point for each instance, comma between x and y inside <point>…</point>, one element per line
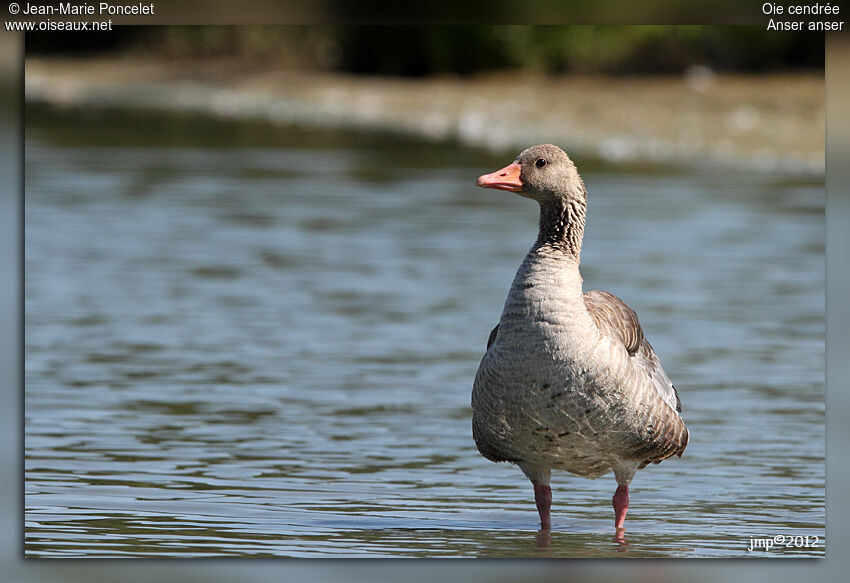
<point>505,179</point>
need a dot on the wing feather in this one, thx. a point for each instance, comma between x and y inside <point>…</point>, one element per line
<point>615,319</point>
<point>492,338</point>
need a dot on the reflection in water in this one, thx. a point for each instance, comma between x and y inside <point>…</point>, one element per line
<point>620,539</point>
<point>258,342</point>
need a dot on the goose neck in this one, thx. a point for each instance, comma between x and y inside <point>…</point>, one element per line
<point>561,227</point>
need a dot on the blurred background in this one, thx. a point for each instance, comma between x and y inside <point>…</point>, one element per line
<point>259,280</point>
<point>736,95</point>
<point>420,50</point>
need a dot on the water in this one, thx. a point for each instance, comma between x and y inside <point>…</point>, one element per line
<point>250,341</point>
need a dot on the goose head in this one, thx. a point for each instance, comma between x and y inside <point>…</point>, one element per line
<point>544,173</point>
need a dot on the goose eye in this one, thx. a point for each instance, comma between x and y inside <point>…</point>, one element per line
<point>540,163</point>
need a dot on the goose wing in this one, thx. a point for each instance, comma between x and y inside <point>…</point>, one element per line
<point>492,338</point>
<point>615,319</point>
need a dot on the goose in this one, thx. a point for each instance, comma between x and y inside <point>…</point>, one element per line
<point>568,380</point>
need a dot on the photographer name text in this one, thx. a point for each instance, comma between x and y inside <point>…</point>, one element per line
<point>101,9</point>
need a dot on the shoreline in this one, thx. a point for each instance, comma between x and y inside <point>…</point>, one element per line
<point>764,123</point>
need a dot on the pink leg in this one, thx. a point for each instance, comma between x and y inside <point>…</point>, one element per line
<point>543,497</point>
<point>621,505</point>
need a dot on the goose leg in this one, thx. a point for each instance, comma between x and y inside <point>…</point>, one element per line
<point>543,498</point>
<point>621,505</point>
<point>539,478</point>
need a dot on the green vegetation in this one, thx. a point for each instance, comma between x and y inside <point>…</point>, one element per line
<point>429,50</point>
